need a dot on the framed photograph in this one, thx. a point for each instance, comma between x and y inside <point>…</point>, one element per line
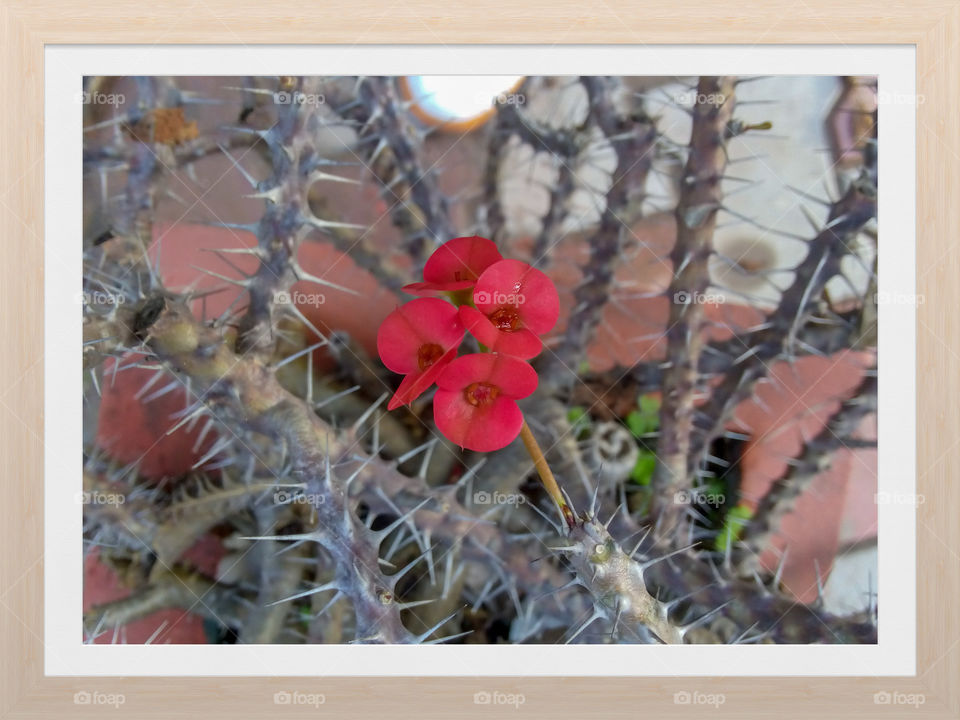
<point>603,371</point>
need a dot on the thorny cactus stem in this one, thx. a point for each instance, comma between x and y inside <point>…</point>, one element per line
<point>700,199</point>
<point>626,588</point>
<point>779,339</point>
<point>248,394</point>
<point>510,123</point>
<point>176,587</point>
<point>616,582</point>
<point>626,593</point>
<point>754,608</point>
<point>393,144</point>
<point>333,547</point>
<point>633,139</point>
<point>816,458</point>
<point>287,218</point>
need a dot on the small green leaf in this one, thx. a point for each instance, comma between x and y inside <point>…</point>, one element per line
<point>716,486</point>
<point>643,470</point>
<point>636,423</point>
<point>732,526</point>
<point>579,420</point>
<point>649,405</point>
<point>646,419</point>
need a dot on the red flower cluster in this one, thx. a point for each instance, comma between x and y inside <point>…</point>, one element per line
<point>506,305</point>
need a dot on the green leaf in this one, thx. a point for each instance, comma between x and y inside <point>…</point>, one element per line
<point>646,419</point>
<point>636,423</point>
<point>716,486</point>
<point>643,470</point>
<point>732,526</point>
<point>649,405</point>
<point>579,420</point>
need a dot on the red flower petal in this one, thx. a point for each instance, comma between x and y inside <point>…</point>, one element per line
<point>416,383</point>
<point>521,342</point>
<point>517,285</point>
<point>459,261</point>
<point>511,376</point>
<point>411,327</point>
<point>482,429</point>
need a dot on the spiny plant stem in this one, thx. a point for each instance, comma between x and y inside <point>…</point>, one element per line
<point>696,214</point>
<point>546,474</point>
<point>370,537</point>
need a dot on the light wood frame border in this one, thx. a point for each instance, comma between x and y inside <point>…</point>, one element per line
<point>27,25</point>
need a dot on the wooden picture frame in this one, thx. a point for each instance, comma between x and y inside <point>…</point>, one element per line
<point>933,27</point>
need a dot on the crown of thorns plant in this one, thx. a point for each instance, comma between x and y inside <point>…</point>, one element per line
<point>505,305</point>
<point>339,519</point>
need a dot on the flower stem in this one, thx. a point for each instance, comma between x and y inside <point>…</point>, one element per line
<point>546,475</point>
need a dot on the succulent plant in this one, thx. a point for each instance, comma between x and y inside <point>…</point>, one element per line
<point>341,516</point>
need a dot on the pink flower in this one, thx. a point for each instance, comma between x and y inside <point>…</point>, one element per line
<point>456,265</point>
<point>419,339</point>
<point>475,404</point>
<point>515,303</point>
